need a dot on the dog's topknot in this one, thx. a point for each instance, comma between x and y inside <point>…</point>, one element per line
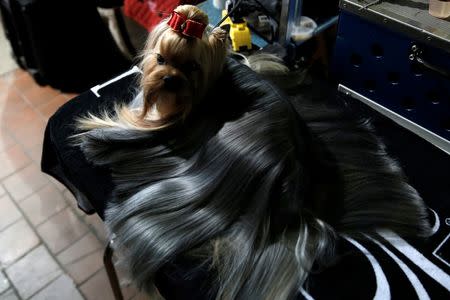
<point>193,13</point>
<point>195,63</point>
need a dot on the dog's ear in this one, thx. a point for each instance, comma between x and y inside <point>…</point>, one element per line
<point>218,34</point>
<point>218,43</point>
<point>226,27</point>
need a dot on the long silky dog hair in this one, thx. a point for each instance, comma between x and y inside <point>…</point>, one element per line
<point>248,188</point>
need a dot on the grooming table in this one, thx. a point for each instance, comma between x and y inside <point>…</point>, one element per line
<point>379,269</point>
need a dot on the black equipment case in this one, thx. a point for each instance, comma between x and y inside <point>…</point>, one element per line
<point>64,44</point>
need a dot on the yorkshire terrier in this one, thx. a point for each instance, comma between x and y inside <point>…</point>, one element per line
<point>182,58</point>
<point>256,194</point>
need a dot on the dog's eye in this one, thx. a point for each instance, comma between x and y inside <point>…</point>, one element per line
<point>160,59</point>
<point>192,66</point>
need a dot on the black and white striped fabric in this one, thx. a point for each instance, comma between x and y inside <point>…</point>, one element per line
<point>388,267</point>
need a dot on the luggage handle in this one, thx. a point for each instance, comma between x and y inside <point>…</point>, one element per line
<point>415,55</point>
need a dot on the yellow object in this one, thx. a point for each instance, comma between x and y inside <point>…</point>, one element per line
<point>241,38</point>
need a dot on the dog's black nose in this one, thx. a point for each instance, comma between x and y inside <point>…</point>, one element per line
<point>172,83</point>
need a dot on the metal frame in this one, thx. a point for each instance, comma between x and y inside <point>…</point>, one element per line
<point>424,133</point>
<point>413,32</point>
<point>290,9</point>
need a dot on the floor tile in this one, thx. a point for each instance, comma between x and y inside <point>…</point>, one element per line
<point>25,182</point>
<point>5,139</point>
<point>10,102</point>
<point>12,159</point>
<point>96,224</point>
<point>23,118</point>
<point>62,230</point>
<point>8,212</point>
<point>20,79</point>
<point>38,95</point>
<point>2,190</point>
<point>9,295</point>
<point>48,109</point>
<point>97,287</point>
<point>61,288</point>
<point>31,134</point>
<point>42,204</point>
<point>72,201</point>
<point>4,283</point>
<point>35,152</point>
<point>15,241</point>
<point>3,83</point>
<point>33,272</point>
<point>58,184</point>
<point>9,75</point>
<point>86,245</point>
<point>7,63</point>
<point>85,267</point>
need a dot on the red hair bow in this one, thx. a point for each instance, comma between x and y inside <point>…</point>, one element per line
<point>185,26</point>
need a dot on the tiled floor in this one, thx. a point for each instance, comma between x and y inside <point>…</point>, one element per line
<point>49,249</point>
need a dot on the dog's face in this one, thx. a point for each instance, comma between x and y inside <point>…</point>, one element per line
<point>177,69</point>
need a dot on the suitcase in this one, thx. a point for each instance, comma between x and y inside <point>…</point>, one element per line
<point>64,44</point>
<point>14,31</point>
